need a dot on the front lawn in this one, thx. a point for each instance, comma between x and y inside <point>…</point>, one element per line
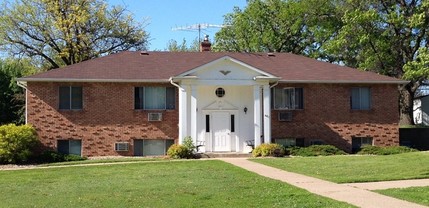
<point>155,184</point>
<point>418,195</point>
<point>354,168</point>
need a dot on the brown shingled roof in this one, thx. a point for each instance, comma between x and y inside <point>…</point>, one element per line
<point>160,66</point>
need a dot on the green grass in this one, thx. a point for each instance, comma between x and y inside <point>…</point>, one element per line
<point>418,195</point>
<point>349,169</point>
<point>107,160</point>
<point>155,184</point>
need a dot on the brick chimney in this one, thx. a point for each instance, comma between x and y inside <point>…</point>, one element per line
<point>205,45</point>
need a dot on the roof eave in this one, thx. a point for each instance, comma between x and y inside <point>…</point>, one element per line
<point>344,82</point>
<point>92,80</point>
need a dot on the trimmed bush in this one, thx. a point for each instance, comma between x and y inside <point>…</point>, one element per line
<point>315,150</point>
<point>50,156</point>
<point>375,150</point>
<point>16,143</point>
<point>273,150</point>
<point>178,151</point>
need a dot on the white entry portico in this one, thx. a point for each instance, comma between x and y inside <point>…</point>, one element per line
<point>224,103</point>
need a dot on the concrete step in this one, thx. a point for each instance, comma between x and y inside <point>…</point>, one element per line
<point>225,155</point>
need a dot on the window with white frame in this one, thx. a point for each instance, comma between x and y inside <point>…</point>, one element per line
<point>70,98</point>
<point>289,98</point>
<point>154,98</point>
<point>360,98</point>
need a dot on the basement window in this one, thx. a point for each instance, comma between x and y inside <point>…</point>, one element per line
<point>359,142</point>
<point>69,147</point>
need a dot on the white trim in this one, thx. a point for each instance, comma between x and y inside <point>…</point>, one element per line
<point>24,80</point>
<point>257,114</point>
<point>267,114</point>
<point>225,58</point>
<point>194,109</point>
<point>183,120</point>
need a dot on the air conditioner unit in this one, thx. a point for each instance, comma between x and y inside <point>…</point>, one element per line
<point>154,117</point>
<point>285,116</point>
<point>121,146</point>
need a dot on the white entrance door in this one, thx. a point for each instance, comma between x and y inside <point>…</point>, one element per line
<point>221,131</point>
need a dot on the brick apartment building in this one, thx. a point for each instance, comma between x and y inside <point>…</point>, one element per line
<point>139,103</point>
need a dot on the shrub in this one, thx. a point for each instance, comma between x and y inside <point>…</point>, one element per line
<point>375,150</point>
<point>264,150</point>
<point>178,151</point>
<point>50,156</point>
<point>16,143</point>
<point>189,144</point>
<point>68,158</point>
<point>315,150</point>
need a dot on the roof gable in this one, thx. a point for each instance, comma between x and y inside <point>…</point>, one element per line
<point>226,68</point>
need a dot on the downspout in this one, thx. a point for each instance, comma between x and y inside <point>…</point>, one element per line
<point>180,138</point>
<point>174,84</point>
<point>275,84</point>
<point>23,84</point>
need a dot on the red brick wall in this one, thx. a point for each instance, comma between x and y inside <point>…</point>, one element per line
<point>327,116</point>
<point>108,116</point>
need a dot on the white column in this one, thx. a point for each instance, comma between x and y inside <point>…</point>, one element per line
<point>194,95</point>
<point>267,114</point>
<point>183,114</point>
<point>257,113</point>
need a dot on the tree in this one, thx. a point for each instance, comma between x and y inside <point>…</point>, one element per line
<point>173,46</point>
<point>295,26</point>
<point>389,37</point>
<point>66,32</point>
<point>12,98</point>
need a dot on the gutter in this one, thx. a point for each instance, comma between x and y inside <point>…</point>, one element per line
<point>23,84</point>
<point>92,80</point>
<point>342,82</point>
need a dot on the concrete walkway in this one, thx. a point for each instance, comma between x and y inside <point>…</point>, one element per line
<point>355,195</point>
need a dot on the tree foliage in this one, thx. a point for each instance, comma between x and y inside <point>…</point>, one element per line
<point>12,98</point>
<point>66,32</point>
<point>389,37</point>
<point>172,45</point>
<point>279,26</point>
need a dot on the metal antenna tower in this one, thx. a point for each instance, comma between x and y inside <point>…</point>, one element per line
<point>197,27</point>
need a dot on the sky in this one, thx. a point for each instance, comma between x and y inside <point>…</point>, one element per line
<point>161,16</point>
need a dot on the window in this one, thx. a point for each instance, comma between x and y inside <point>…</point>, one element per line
<point>288,98</point>
<point>361,98</point>
<point>220,92</point>
<point>151,147</point>
<point>72,147</point>
<point>358,142</point>
<point>289,142</point>
<point>207,123</point>
<point>154,98</point>
<point>232,123</point>
<point>70,98</point>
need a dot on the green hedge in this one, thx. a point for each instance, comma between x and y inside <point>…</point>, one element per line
<point>375,150</point>
<point>16,143</point>
<point>315,150</point>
